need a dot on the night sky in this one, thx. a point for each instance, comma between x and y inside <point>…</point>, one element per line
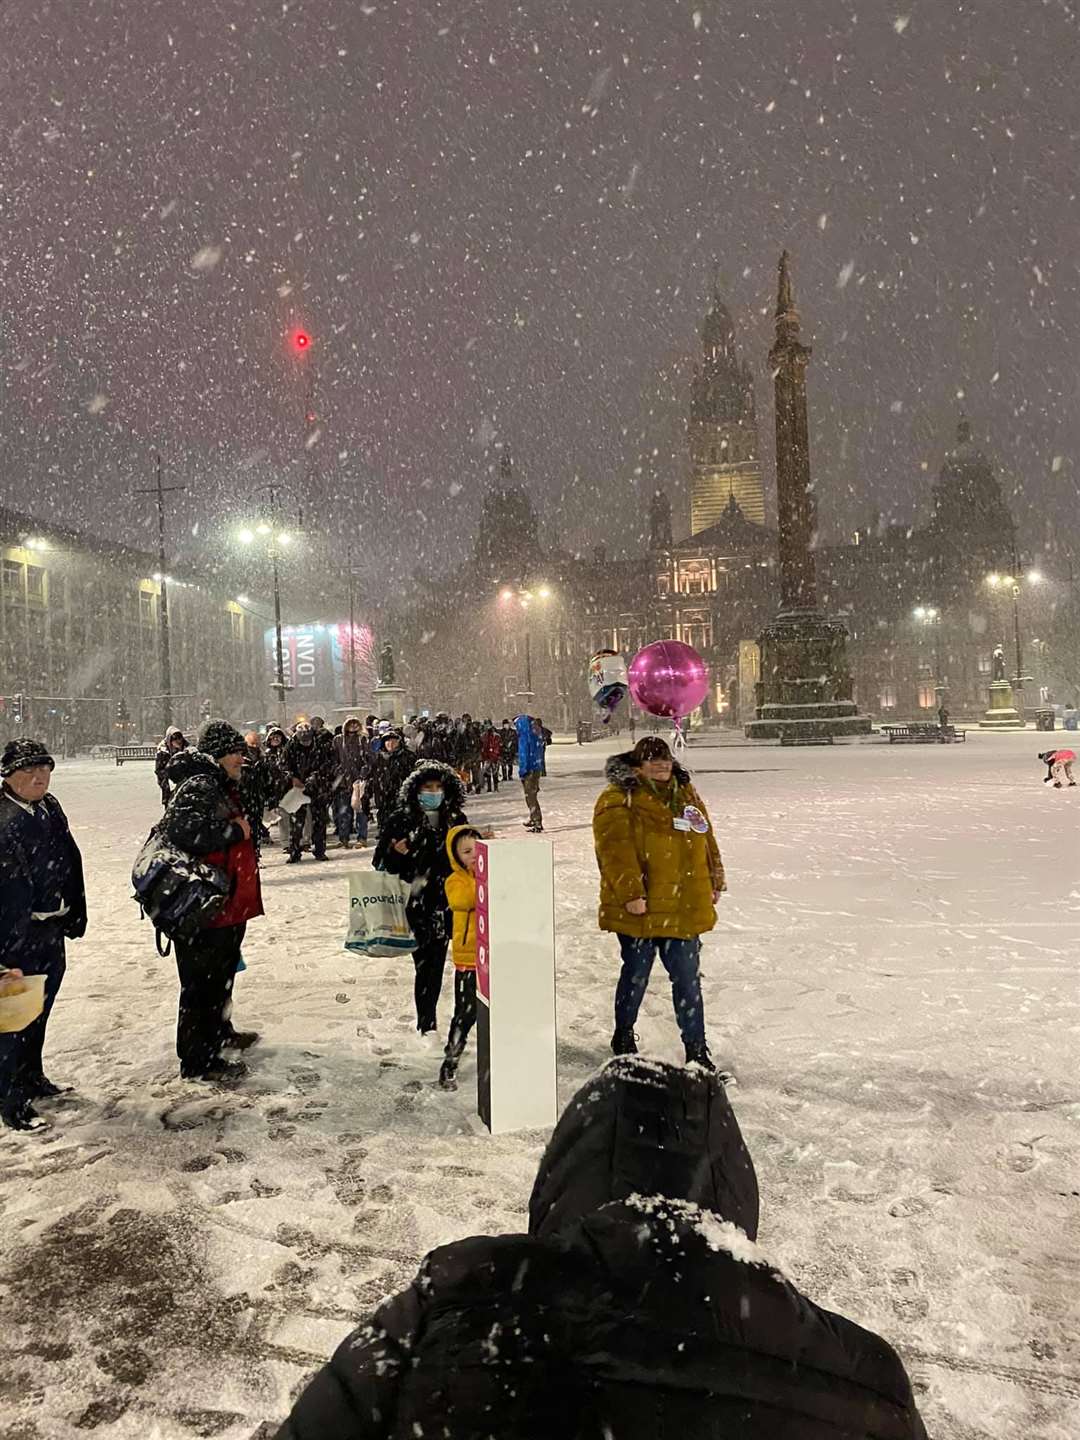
<point>499,222</point>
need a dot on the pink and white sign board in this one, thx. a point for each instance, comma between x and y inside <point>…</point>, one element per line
<point>515,985</point>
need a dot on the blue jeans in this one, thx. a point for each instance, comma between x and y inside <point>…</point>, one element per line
<point>346,820</point>
<point>680,959</point>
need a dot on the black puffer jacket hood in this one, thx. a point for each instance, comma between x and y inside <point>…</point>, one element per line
<point>645,1128</point>
<point>620,771</point>
<point>186,763</point>
<point>425,770</point>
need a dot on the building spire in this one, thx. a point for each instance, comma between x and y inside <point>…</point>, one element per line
<point>794,496</point>
<point>506,466</point>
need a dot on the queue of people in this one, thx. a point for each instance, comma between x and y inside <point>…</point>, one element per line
<point>637,1303</point>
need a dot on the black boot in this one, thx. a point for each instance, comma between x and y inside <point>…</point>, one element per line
<point>21,1115</point>
<point>624,1042</point>
<point>448,1073</point>
<point>699,1055</point>
<point>42,1088</point>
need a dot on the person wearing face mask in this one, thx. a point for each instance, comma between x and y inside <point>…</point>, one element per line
<point>412,845</point>
<point>660,878</point>
<point>42,904</point>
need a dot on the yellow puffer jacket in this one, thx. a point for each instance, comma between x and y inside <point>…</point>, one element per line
<point>461,897</point>
<point>643,856</point>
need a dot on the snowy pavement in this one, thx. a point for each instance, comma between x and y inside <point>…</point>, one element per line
<point>894,978</point>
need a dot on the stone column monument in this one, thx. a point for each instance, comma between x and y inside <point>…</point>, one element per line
<point>806,690</point>
<point>1002,713</point>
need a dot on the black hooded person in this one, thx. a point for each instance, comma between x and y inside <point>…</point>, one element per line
<point>412,845</point>
<point>637,1306</point>
<point>42,904</point>
<point>310,761</point>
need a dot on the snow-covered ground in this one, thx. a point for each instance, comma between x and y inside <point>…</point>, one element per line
<point>895,979</point>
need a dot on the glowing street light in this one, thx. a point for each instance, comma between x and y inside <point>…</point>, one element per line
<point>246,537</point>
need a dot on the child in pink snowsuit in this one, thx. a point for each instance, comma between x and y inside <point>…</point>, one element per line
<point>1058,764</point>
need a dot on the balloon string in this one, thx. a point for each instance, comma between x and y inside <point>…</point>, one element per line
<point>680,738</point>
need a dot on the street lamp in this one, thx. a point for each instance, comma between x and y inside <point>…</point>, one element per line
<point>930,616</point>
<point>276,539</point>
<point>1012,583</point>
<point>523,596</point>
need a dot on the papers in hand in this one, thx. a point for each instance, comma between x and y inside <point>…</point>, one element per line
<point>293,799</point>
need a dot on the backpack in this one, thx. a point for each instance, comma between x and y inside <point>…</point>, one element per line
<point>176,891</point>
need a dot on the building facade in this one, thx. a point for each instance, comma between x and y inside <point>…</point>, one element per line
<point>80,641</point>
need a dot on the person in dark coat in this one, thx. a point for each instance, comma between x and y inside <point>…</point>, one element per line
<point>637,1306</point>
<point>352,763</point>
<point>412,844</point>
<point>390,768</point>
<point>257,788</point>
<point>311,768</point>
<point>42,904</point>
<point>509,741</point>
<point>206,819</point>
<point>173,742</point>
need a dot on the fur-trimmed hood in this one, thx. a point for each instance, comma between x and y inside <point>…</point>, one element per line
<point>620,772</point>
<point>425,770</point>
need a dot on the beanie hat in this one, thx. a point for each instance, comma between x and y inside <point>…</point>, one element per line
<point>24,755</point>
<point>218,738</point>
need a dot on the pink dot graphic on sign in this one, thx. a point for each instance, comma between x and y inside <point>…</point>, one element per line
<point>481,895</point>
<point>481,923</point>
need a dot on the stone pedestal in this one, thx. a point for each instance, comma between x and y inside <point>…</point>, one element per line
<point>805,690</point>
<point>389,702</point>
<point>1002,714</point>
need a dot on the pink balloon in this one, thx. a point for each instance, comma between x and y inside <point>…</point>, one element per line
<point>668,678</point>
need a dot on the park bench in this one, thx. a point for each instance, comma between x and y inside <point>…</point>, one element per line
<point>923,732</point>
<point>135,752</point>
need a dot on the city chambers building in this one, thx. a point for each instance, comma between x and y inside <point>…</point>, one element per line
<point>922,617</point>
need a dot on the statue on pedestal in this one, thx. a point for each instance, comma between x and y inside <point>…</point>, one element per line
<point>997,664</point>
<point>386,664</point>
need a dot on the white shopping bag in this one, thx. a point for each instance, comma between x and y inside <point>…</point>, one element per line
<point>20,1008</point>
<point>357,800</point>
<point>292,800</point>
<point>378,924</point>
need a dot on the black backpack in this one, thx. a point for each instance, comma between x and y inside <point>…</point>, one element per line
<point>179,893</point>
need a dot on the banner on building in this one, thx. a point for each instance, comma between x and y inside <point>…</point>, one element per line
<point>317,662</point>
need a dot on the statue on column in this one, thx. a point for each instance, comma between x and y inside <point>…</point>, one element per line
<point>386,664</point>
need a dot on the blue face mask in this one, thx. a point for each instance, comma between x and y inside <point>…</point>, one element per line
<point>431,799</point>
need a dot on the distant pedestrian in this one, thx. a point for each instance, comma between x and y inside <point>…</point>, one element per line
<point>529,761</point>
<point>461,897</point>
<point>171,745</point>
<point>490,756</point>
<point>206,819</point>
<point>509,741</point>
<point>310,763</point>
<point>412,844</point>
<point>660,878</point>
<point>1059,771</point>
<point>353,760</point>
<point>42,904</point>
<point>389,770</point>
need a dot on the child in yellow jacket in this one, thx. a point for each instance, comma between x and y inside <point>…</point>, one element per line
<point>461,897</point>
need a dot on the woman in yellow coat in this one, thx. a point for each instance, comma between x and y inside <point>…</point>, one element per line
<point>660,877</point>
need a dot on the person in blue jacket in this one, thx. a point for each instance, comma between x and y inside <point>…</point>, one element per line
<point>530,759</point>
<point>42,903</point>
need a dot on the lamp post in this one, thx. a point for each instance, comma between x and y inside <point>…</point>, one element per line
<point>276,539</point>
<point>930,616</point>
<point>160,491</point>
<point>1012,583</point>
<point>525,596</point>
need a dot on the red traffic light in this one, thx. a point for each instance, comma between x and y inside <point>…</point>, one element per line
<point>301,340</point>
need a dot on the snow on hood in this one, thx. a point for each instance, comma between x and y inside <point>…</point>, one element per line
<point>186,763</point>
<point>171,732</point>
<point>620,772</point>
<point>646,1129</point>
<point>448,778</point>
